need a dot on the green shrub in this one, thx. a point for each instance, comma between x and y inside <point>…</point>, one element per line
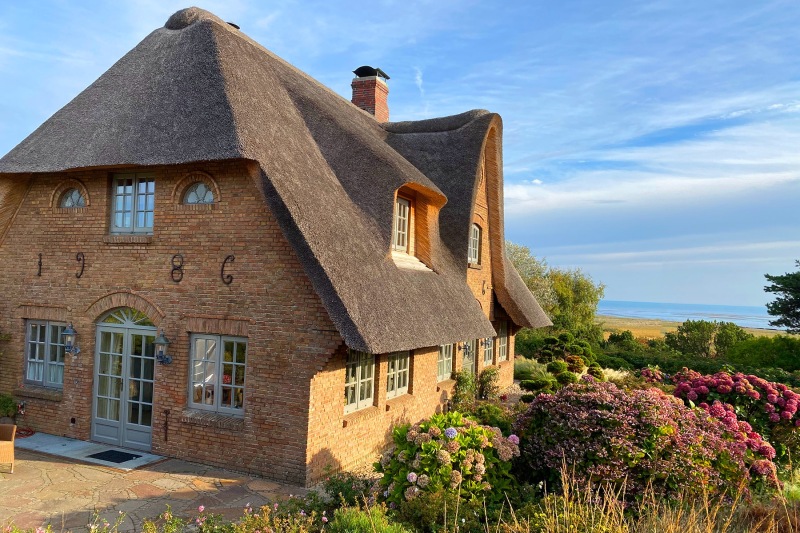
<point>596,372</point>
<point>465,390</point>
<point>566,337</point>
<point>7,405</point>
<point>353,519</point>
<point>556,367</point>
<point>441,510</point>
<point>527,398</point>
<point>537,385</point>
<point>493,415</point>
<point>764,352</point>
<point>566,378</point>
<point>575,364</point>
<point>348,488</point>
<point>447,452</point>
<point>614,363</point>
<point>527,342</point>
<point>487,388</point>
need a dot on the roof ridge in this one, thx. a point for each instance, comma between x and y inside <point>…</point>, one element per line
<point>436,125</point>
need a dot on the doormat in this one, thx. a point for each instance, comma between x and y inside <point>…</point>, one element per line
<point>114,456</point>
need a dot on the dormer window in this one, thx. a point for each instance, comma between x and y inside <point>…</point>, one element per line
<point>474,252</point>
<point>400,226</point>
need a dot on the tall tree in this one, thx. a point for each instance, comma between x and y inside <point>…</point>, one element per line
<point>569,297</point>
<point>534,273</point>
<point>787,302</point>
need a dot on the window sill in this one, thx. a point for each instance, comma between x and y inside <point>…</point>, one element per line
<point>474,266</point>
<point>127,239</point>
<point>40,393</point>
<point>446,384</point>
<point>355,417</point>
<point>398,401</point>
<point>212,420</point>
<point>409,262</point>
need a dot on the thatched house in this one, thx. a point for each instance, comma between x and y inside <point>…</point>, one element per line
<point>319,273</point>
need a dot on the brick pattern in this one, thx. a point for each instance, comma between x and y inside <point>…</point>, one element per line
<point>371,94</point>
<point>289,332</point>
<point>294,428</point>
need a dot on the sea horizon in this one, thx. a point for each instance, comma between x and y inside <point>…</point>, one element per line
<point>748,316</point>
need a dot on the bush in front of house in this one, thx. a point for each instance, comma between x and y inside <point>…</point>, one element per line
<point>448,452</point>
<point>633,439</point>
<point>770,409</point>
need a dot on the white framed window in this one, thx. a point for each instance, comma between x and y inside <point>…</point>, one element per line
<point>488,351</point>
<point>133,203</point>
<point>502,341</point>
<point>444,366</point>
<point>198,193</point>
<point>397,374</point>
<point>400,225</point>
<point>72,198</point>
<point>218,373</point>
<point>359,384</point>
<point>44,359</point>
<point>474,252</point>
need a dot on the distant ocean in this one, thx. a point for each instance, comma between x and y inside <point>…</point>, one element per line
<point>745,316</point>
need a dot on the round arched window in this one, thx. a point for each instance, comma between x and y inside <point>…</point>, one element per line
<point>199,193</point>
<point>72,198</point>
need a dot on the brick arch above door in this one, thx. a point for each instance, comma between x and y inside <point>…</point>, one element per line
<point>114,300</point>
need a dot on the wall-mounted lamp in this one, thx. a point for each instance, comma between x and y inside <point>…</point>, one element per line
<point>161,342</point>
<point>466,347</point>
<point>70,335</point>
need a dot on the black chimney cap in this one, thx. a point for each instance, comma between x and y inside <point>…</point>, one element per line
<point>365,71</point>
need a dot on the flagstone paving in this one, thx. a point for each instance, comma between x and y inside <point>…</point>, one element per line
<point>65,493</point>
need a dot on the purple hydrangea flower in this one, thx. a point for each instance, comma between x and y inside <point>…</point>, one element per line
<point>513,439</point>
<point>411,477</point>
<point>450,433</point>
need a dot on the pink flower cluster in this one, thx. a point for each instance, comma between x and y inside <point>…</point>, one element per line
<point>778,403</point>
<point>739,430</point>
<point>652,375</point>
<point>638,438</point>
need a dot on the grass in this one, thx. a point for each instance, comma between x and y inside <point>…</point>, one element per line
<point>650,328</point>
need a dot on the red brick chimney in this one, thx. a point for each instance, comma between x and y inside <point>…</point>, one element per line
<point>370,92</point>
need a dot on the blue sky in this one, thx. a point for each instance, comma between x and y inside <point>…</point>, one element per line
<point>654,145</point>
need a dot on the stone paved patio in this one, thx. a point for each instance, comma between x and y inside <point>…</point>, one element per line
<point>64,493</point>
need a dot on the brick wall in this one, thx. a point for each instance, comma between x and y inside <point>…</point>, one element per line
<point>270,301</point>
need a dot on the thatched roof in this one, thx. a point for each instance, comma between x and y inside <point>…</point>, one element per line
<point>200,90</point>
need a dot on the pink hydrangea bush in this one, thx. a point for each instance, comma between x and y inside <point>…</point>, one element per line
<point>769,409</point>
<point>652,374</point>
<point>635,439</point>
<point>448,452</point>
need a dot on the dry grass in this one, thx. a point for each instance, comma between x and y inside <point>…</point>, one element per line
<point>649,328</point>
<point>589,509</point>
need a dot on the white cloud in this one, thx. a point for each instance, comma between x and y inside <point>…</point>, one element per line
<point>723,164</point>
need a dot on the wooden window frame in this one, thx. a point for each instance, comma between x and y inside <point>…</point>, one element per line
<point>502,341</point>
<point>216,381</point>
<point>444,362</point>
<point>135,210</point>
<point>408,204</point>
<point>360,377</point>
<point>398,373</point>
<point>53,353</point>
<point>474,248</point>
<point>488,349</point>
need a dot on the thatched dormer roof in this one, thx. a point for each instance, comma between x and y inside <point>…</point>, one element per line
<point>200,90</point>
